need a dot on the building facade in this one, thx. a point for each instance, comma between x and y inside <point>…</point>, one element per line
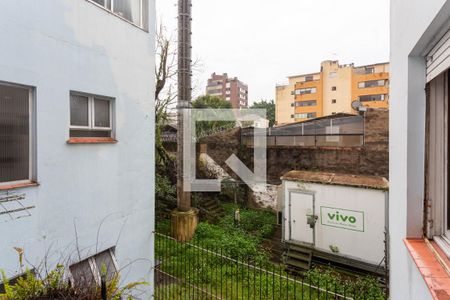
<point>229,89</point>
<point>335,89</point>
<point>76,127</point>
<point>419,222</point>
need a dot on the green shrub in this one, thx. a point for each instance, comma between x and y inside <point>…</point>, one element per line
<point>368,286</point>
<point>257,223</point>
<point>56,286</point>
<point>234,243</point>
<point>165,195</point>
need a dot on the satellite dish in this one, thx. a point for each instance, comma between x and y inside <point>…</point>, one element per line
<point>356,105</point>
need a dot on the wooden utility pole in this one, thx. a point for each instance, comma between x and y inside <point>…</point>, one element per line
<point>184,218</point>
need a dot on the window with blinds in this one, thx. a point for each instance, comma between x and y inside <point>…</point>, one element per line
<point>15,134</point>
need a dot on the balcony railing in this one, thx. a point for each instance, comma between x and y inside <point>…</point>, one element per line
<point>337,132</point>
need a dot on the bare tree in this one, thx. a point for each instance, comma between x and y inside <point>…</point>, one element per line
<point>165,71</point>
<point>166,92</point>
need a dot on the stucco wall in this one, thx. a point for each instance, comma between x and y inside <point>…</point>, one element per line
<point>103,192</point>
<point>409,23</point>
<point>283,101</point>
<point>342,81</point>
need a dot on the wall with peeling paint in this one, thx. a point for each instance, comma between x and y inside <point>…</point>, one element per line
<point>90,197</point>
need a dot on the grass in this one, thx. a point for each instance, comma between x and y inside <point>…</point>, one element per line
<point>215,271</point>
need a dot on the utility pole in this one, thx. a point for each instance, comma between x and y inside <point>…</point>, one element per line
<point>184,218</point>
<point>184,92</point>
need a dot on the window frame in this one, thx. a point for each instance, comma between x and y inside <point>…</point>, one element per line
<point>91,114</point>
<point>96,271</point>
<point>306,91</point>
<point>437,162</point>
<point>142,22</point>
<point>306,103</point>
<point>31,137</point>
<point>363,84</point>
<point>383,98</point>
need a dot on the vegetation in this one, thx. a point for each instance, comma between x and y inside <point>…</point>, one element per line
<point>56,286</point>
<point>165,195</point>
<point>216,272</point>
<point>269,106</point>
<point>212,102</point>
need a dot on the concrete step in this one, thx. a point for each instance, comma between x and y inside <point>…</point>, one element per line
<point>297,264</point>
<point>300,249</point>
<point>299,256</point>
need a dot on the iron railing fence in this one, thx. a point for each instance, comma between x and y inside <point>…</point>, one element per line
<point>337,132</point>
<point>195,270</point>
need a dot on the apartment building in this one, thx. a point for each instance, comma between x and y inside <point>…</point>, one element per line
<point>335,89</point>
<point>76,127</point>
<point>228,88</point>
<point>419,166</point>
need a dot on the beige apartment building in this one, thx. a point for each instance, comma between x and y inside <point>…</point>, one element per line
<point>335,89</point>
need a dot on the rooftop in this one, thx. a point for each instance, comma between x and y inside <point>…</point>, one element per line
<point>362,181</point>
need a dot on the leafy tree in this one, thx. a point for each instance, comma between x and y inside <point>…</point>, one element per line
<point>213,102</point>
<point>210,102</point>
<point>269,106</point>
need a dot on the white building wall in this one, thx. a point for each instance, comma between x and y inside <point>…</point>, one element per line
<point>409,22</point>
<point>104,192</point>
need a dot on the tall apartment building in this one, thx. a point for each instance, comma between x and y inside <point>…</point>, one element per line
<point>331,91</point>
<point>230,89</point>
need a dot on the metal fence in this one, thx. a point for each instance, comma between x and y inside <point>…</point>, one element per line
<point>334,132</point>
<point>196,271</point>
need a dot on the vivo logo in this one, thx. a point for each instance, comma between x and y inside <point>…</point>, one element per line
<point>339,217</point>
<point>342,218</point>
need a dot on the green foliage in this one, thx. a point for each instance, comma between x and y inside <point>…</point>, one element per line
<point>329,277</point>
<point>210,102</point>
<point>243,240</point>
<point>216,270</point>
<point>230,189</point>
<point>235,243</point>
<point>56,286</point>
<point>269,106</point>
<point>165,195</point>
<point>206,127</point>
<point>255,223</point>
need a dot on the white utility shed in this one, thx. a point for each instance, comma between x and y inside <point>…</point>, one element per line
<point>340,214</point>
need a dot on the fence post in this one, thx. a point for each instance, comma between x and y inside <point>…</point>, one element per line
<point>103,287</point>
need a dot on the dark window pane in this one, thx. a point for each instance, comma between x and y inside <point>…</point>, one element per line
<point>79,111</point>
<point>14,134</point>
<point>101,2</point>
<point>82,273</point>
<point>129,9</point>
<point>102,118</point>
<point>89,133</point>
<point>366,98</point>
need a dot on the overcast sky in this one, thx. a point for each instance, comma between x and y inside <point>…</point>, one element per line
<point>262,42</point>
